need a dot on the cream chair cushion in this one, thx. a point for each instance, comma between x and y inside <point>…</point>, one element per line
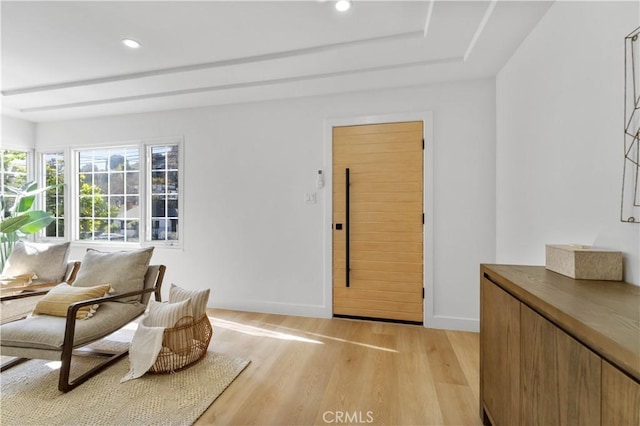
<point>47,332</point>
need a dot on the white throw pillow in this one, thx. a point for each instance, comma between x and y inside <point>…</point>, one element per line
<point>167,314</point>
<point>199,299</point>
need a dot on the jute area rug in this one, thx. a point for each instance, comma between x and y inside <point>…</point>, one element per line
<point>30,394</point>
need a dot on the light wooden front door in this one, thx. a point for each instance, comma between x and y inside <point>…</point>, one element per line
<point>378,221</point>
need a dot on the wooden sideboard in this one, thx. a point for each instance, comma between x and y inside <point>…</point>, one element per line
<point>557,351</point>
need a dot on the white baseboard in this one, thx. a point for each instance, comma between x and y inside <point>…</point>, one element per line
<point>313,311</point>
<point>320,311</point>
<point>453,323</point>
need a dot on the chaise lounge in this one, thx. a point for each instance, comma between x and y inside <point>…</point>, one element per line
<point>55,335</point>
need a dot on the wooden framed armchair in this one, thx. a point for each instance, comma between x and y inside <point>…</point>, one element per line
<point>60,337</point>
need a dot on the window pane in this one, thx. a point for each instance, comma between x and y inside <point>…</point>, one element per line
<point>172,182</point>
<point>51,206</point>
<point>101,207</point>
<point>158,206</point>
<point>172,158</point>
<point>116,229</point>
<point>101,183</point>
<point>158,158</point>
<point>85,179</point>
<point>14,162</point>
<point>132,230</point>
<point>159,229</point>
<point>100,160</point>
<point>172,207</point>
<point>89,228</point>
<point>85,161</point>
<point>132,159</point>
<point>117,160</point>
<point>116,183</point>
<point>158,182</point>
<point>54,197</point>
<point>164,197</point>
<point>109,190</point>
<point>133,183</point>
<point>172,234</point>
<point>164,229</point>
<point>132,205</point>
<point>13,173</point>
<point>15,180</point>
<point>100,227</point>
<point>115,206</point>
<point>86,229</point>
<point>51,230</point>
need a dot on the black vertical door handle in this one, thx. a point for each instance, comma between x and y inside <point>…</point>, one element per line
<point>346,244</point>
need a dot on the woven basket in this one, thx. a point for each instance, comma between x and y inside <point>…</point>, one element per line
<point>183,345</point>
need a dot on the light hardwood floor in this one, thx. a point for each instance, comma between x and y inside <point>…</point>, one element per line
<point>307,371</point>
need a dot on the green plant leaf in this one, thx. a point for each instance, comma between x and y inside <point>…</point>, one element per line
<point>37,221</point>
<point>29,187</point>
<point>13,224</point>
<point>24,203</point>
<point>26,196</point>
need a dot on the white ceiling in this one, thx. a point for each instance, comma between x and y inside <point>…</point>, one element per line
<point>64,60</point>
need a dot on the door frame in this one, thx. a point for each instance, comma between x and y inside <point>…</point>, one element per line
<point>427,199</point>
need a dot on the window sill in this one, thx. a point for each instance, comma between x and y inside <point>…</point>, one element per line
<point>119,245</point>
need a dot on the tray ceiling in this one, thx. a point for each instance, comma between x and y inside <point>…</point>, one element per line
<point>64,60</point>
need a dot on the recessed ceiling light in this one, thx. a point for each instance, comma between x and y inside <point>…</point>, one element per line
<point>131,43</point>
<point>343,5</point>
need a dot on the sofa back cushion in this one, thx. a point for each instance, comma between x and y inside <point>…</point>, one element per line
<point>123,270</point>
<point>47,261</point>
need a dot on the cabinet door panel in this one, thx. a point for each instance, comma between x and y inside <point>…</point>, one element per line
<point>620,397</point>
<point>500,354</point>
<point>560,378</point>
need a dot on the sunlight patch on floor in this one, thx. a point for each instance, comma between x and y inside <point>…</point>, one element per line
<point>366,345</point>
<point>54,365</point>
<point>258,331</point>
<point>337,339</point>
<point>322,336</point>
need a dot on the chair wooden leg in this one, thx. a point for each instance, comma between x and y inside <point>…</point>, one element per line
<point>12,363</point>
<point>65,385</point>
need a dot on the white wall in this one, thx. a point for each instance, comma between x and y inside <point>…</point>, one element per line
<point>17,133</point>
<point>560,135</point>
<point>248,233</point>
